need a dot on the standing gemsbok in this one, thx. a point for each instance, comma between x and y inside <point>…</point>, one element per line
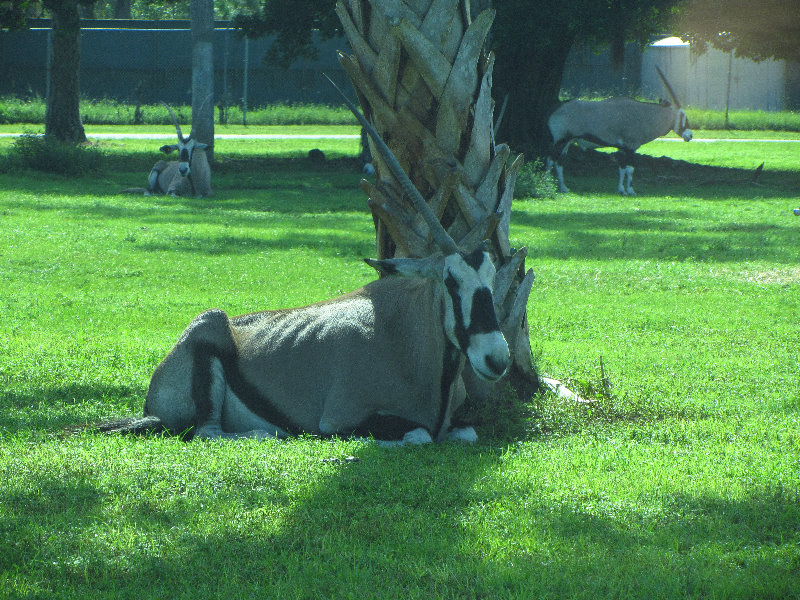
<point>385,359</point>
<point>190,175</point>
<point>621,123</point>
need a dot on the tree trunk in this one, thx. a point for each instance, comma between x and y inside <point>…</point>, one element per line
<point>202,16</point>
<point>532,85</point>
<point>424,80</point>
<point>63,119</point>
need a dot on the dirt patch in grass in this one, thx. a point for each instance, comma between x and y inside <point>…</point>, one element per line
<point>774,276</point>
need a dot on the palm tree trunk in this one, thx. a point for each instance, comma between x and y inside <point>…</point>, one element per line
<point>424,80</point>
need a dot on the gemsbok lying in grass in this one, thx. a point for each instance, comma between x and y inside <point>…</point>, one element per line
<point>190,175</point>
<point>384,360</point>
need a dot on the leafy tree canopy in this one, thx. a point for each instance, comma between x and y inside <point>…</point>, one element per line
<point>293,22</point>
<point>757,30</point>
<point>529,27</point>
<point>13,13</point>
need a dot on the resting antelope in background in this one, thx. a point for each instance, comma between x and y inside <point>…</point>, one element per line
<point>190,175</point>
<point>621,123</point>
<point>384,360</point>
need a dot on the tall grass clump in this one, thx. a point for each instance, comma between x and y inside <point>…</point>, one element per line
<point>16,110</point>
<point>112,112</point>
<point>295,114</point>
<point>744,120</point>
<point>46,153</point>
<point>273,114</point>
<point>109,112</point>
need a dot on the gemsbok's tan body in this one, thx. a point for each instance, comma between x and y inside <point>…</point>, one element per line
<point>366,363</point>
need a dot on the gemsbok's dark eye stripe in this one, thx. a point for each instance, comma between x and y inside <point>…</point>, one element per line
<point>482,316</point>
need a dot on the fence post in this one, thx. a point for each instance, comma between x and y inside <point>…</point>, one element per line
<point>47,72</point>
<point>244,79</point>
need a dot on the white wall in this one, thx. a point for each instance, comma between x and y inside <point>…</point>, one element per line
<point>701,81</point>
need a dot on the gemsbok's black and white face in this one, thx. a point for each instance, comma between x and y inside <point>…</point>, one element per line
<point>186,148</point>
<point>470,321</point>
<point>190,175</point>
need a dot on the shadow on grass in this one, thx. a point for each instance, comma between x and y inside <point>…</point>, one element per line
<point>50,409</point>
<point>326,227</point>
<point>415,522</point>
<point>279,194</point>
<point>661,235</point>
<point>251,192</point>
<point>590,171</point>
<point>325,242</point>
<point>274,184</point>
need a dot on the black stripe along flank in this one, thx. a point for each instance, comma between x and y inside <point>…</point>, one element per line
<point>380,427</point>
<point>244,390</point>
<point>452,359</point>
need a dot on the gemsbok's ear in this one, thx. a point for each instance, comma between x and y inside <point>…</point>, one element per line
<point>408,267</point>
<point>167,148</point>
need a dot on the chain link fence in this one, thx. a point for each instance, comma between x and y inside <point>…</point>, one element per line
<point>146,62</point>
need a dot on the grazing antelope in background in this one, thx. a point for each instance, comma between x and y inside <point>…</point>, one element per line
<point>621,123</point>
<point>190,175</point>
<point>384,360</point>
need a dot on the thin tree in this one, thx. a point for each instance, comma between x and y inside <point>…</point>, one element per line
<point>63,120</point>
<point>202,18</point>
<point>122,9</point>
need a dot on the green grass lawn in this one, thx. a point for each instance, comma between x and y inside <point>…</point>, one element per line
<point>683,482</point>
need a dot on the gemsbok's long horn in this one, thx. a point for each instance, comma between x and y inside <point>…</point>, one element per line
<point>175,122</point>
<point>669,87</point>
<point>440,235</point>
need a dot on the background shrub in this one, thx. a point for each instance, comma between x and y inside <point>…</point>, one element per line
<point>46,153</point>
<point>534,182</point>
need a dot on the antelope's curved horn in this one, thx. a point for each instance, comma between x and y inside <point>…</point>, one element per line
<point>440,235</point>
<point>669,87</point>
<point>175,122</point>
